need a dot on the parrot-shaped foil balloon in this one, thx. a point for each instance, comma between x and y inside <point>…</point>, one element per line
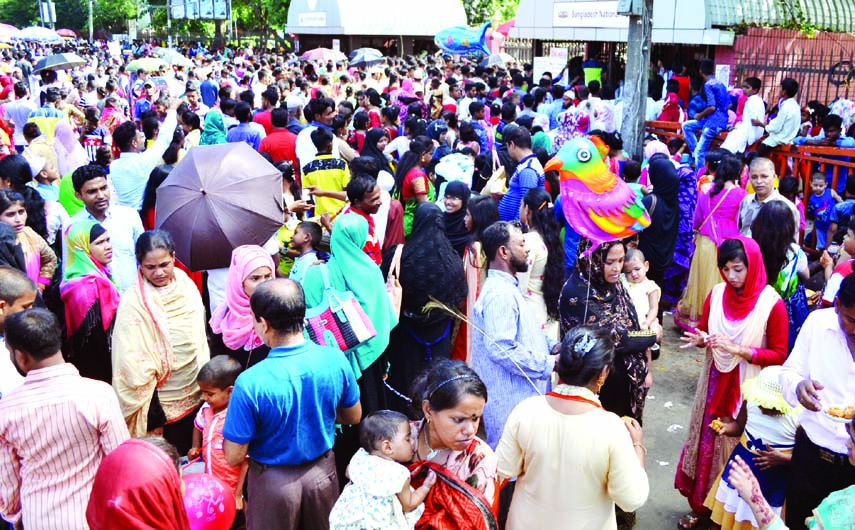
<point>597,204</point>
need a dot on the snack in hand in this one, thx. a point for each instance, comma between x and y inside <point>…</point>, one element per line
<point>839,411</point>
<point>717,425</point>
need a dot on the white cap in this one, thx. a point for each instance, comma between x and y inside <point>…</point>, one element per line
<point>37,163</point>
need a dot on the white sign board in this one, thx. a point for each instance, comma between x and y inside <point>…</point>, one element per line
<point>114,49</point>
<point>547,64</point>
<point>312,19</point>
<point>722,73</point>
<point>336,45</point>
<point>559,54</point>
<point>588,15</point>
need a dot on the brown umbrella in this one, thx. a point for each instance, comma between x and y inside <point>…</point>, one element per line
<point>217,198</point>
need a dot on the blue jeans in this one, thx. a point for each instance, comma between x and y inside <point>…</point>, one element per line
<point>699,148</point>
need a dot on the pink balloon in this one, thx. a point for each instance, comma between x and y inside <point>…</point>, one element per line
<point>209,502</point>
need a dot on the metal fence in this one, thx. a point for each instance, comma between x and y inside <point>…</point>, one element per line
<point>821,76</point>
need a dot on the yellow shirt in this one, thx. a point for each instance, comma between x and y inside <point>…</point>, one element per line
<point>328,174</point>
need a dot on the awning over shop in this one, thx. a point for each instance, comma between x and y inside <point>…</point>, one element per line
<point>674,21</point>
<point>837,15</point>
<point>374,17</point>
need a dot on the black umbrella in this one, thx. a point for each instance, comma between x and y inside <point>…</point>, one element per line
<point>59,61</point>
<point>366,57</point>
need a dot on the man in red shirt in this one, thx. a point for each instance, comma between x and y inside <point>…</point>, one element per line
<point>269,99</point>
<point>280,143</point>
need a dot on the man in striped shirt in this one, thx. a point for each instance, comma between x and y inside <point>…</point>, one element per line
<point>54,430</point>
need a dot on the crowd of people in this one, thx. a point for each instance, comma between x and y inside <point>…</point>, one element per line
<point>428,341</point>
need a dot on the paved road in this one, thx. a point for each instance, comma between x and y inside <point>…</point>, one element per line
<point>668,407</point>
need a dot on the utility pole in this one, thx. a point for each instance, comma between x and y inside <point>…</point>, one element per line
<point>90,20</point>
<point>635,82</point>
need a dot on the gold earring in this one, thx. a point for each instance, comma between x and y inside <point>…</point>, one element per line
<point>600,383</point>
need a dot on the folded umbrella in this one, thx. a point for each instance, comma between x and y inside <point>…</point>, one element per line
<point>218,198</point>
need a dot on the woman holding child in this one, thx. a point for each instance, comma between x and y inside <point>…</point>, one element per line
<point>596,297</point>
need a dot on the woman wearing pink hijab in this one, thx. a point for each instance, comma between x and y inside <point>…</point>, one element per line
<point>232,320</point>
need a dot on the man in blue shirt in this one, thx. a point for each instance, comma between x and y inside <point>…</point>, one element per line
<point>528,174</point>
<point>711,120</point>
<point>282,415</point>
<point>209,90</point>
<point>243,132</point>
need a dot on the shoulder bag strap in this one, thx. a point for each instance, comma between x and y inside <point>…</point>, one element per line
<point>394,269</point>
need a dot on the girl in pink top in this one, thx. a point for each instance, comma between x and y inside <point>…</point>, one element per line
<point>716,217</point>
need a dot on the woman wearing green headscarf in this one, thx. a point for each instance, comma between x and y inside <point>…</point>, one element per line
<point>350,269</point>
<point>214,132</point>
<point>90,299</point>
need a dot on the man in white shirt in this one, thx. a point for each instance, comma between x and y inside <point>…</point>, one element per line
<point>320,113</point>
<point>750,129</point>
<point>785,126</point>
<point>469,97</point>
<point>820,373</point>
<point>17,113</point>
<point>122,223</point>
<point>17,293</point>
<point>129,173</point>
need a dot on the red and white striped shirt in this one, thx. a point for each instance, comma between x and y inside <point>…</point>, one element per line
<point>54,431</point>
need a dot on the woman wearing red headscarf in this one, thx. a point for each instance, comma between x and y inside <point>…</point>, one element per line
<point>743,328</point>
<point>137,487</point>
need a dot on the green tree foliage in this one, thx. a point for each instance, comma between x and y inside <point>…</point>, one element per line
<point>109,15</point>
<point>113,15</point>
<point>480,11</point>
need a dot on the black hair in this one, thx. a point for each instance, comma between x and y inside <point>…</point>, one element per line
<point>790,86</point>
<point>850,184</point>
<point>543,222</point>
<point>846,294</point>
<point>84,174</point>
<point>365,165</point>
<point>832,120</point>
<point>380,426</point>
<point>220,372</point>
<point>818,175</point>
<point>8,198</point>
<point>359,186</point>
<point>773,230</point>
<point>31,130</point>
<point>585,352</point>
<point>279,118</point>
<point>475,107</point>
<point>18,172</point>
<point>732,250</point>
<point>243,112</point>
<point>124,135</point>
<point>191,119</point>
<point>314,231</point>
<point>496,236</point>
<point>418,147</point>
<point>284,312</point>
<point>483,212</point>
<point>153,240</point>
<point>519,136</point>
<point>444,385</point>
<point>509,110</point>
<point>707,67</point>
<point>227,105</point>
<point>35,331</point>
<point>373,97</point>
<point>594,87</point>
<point>753,82</point>
<point>789,186</point>
<point>729,170</point>
<point>21,89</point>
<point>631,171</point>
<point>321,138</point>
<point>361,121</point>
<point>170,156</point>
<point>467,132</point>
<point>451,119</point>
<point>150,127</point>
<point>14,284</point>
<point>271,95</point>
